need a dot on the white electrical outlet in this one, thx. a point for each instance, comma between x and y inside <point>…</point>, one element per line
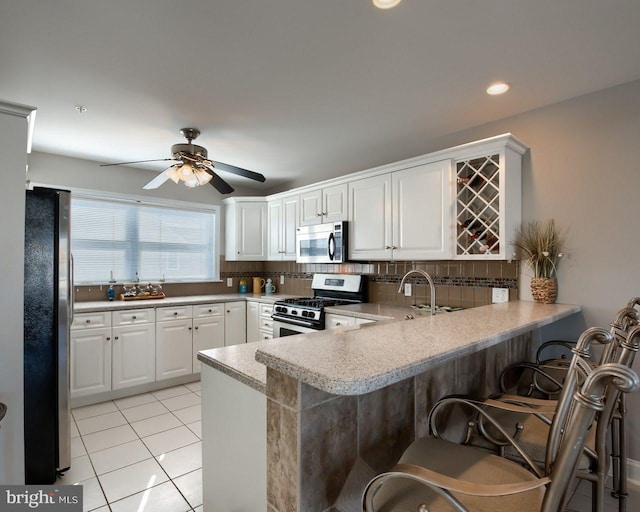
<point>281,279</point>
<point>499,295</point>
<point>229,282</point>
<point>407,289</point>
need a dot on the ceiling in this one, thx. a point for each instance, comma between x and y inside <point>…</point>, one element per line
<point>299,90</point>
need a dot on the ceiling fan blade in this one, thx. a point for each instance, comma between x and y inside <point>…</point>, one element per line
<point>139,162</point>
<point>157,181</point>
<point>239,171</point>
<point>218,183</point>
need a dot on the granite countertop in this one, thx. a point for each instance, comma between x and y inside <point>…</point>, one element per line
<point>105,305</point>
<point>370,311</point>
<point>239,362</point>
<point>362,359</point>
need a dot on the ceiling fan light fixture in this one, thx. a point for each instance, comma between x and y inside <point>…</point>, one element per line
<point>203,176</point>
<point>172,173</point>
<point>386,4</point>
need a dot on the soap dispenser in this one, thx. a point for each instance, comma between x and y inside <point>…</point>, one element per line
<point>111,292</point>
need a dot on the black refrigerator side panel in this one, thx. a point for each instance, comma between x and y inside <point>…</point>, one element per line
<point>40,338</point>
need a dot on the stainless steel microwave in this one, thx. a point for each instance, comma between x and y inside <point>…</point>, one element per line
<point>322,243</point>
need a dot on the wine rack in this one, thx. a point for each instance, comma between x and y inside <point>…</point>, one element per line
<point>478,206</point>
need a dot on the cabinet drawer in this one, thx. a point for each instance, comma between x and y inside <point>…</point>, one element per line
<point>133,316</point>
<point>266,334</point>
<point>266,309</point>
<point>174,313</point>
<point>201,310</point>
<point>266,323</point>
<point>91,320</point>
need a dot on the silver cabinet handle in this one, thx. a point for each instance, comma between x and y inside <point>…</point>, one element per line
<point>88,321</point>
<point>189,328</point>
<point>108,338</point>
<point>175,313</point>
<point>134,317</point>
<point>116,338</point>
<point>196,327</point>
<point>318,214</point>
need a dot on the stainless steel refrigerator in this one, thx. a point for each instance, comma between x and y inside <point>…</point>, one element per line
<point>48,310</point>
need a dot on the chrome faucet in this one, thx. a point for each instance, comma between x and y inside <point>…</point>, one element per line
<point>429,280</point>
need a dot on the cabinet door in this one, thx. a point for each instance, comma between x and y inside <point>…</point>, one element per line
<point>235,323</point>
<point>333,321</point>
<point>174,349</point>
<point>334,202</point>
<point>274,236</point>
<point>290,207</point>
<point>253,321</point>
<point>422,212</point>
<point>370,218</point>
<point>311,208</point>
<point>251,231</point>
<point>133,355</point>
<point>207,333</point>
<point>90,354</point>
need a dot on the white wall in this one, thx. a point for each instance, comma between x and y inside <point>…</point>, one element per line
<point>13,148</point>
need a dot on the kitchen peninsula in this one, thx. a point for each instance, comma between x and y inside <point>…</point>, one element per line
<point>301,423</point>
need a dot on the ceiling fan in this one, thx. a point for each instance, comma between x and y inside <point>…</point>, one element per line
<point>193,167</point>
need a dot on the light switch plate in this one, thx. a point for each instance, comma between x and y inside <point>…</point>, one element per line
<point>407,289</point>
<point>281,279</point>
<point>499,295</point>
<point>229,282</point>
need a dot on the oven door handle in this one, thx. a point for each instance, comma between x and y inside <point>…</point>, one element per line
<point>292,321</point>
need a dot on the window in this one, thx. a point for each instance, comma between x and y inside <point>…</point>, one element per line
<point>128,240</point>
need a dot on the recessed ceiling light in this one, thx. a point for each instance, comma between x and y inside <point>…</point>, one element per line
<point>80,109</point>
<point>386,4</point>
<point>498,88</point>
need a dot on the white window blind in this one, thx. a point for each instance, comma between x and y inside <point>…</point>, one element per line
<point>144,241</point>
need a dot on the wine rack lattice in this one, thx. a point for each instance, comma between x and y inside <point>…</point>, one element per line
<point>478,206</point>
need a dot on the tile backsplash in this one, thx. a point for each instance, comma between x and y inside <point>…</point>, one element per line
<point>458,283</point>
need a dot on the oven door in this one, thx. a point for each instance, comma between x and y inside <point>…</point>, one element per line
<point>282,329</point>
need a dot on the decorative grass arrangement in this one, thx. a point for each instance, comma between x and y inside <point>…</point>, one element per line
<point>541,246</point>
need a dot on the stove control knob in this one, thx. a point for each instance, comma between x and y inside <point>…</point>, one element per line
<point>312,314</point>
<point>305,313</point>
<point>294,312</point>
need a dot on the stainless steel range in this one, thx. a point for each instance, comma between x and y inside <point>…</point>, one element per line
<point>298,316</point>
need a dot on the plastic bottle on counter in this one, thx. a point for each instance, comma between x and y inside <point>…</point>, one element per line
<point>111,292</point>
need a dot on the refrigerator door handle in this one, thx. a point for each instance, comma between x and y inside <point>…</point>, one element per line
<point>72,300</point>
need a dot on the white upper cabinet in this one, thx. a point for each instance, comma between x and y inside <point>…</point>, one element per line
<point>462,202</point>
<point>402,215</point>
<point>282,223</point>
<point>245,230</point>
<point>370,222</point>
<point>488,203</point>
<point>324,205</point>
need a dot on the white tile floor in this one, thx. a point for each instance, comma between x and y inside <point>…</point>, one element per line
<point>139,454</point>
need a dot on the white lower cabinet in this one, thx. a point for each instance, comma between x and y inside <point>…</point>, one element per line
<point>235,323</point>
<point>133,355</point>
<point>208,333</point>
<point>174,348</point>
<point>178,342</point>
<point>333,321</point>
<point>253,321</point>
<point>90,352</point>
<point>108,354</point>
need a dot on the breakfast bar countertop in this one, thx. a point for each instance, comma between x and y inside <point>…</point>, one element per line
<point>361,360</point>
